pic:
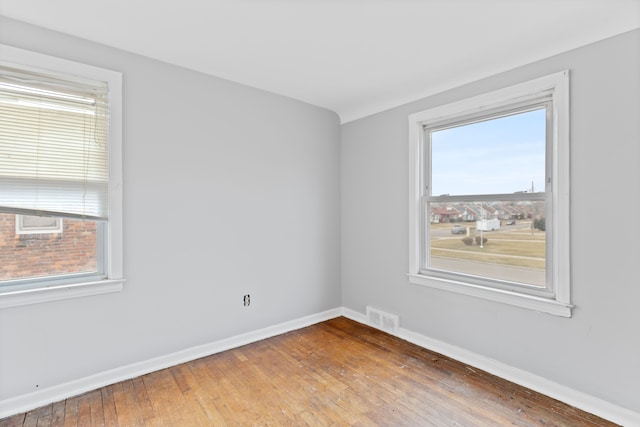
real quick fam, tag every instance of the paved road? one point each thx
(495, 254)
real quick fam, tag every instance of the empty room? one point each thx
(323, 213)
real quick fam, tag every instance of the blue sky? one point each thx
(497, 156)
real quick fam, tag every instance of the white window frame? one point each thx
(24, 293)
(23, 229)
(555, 86)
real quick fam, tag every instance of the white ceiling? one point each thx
(355, 57)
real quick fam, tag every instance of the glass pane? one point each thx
(498, 156)
(34, 247)
(495, 240)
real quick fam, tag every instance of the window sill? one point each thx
(544, 305)
(18, 298)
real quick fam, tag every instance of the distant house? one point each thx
(509, 212)
(445, 214)
(489, 212)
(470, 213)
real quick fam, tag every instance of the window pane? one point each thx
(498, 156)
(495, 240)
(32, 247)
(26, 224)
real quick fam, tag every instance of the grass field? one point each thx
(511, 246)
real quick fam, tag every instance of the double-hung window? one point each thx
(489, 199)
(60, 179)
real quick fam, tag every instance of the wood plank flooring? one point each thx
(336, 373)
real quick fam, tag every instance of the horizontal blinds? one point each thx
(54, 152)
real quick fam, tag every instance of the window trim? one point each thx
(113, 282)
(557, 87)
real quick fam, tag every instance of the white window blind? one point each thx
(54, 153)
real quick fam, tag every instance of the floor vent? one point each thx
(384, 321)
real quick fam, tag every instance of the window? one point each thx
(489, 201)
(30, 224)
(60, 179)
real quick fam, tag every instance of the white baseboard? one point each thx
(588, 403)
(354, 315)
(45, 396)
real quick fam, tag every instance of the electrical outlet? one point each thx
(247, 300)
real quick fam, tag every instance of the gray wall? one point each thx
(228, 190)
(597, 351)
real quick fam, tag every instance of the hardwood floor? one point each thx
(336, 373)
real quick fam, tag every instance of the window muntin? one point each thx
(481, 174)
(552, 92)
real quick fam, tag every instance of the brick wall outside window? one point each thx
(46, 254)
